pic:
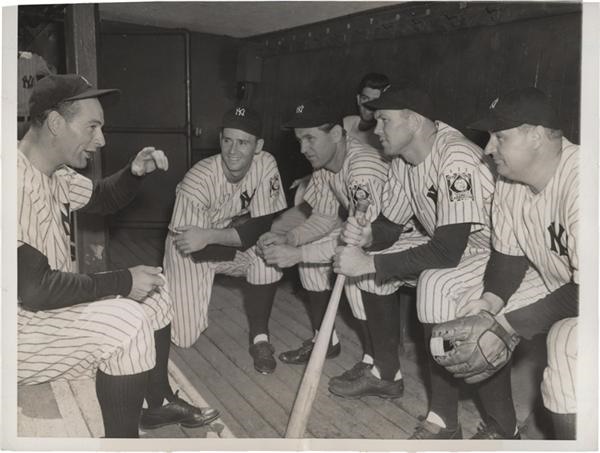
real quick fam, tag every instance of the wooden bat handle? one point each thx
(312, 375)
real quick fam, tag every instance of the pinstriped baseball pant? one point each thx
(113, 335)
(558, 385)
(192, 283)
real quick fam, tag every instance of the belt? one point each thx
(22, 119)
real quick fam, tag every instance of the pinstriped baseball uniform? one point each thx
(67, 343)
(544, 228)
(452, 185)
(362, 176)
(206, 199)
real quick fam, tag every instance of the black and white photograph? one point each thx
(300, 225)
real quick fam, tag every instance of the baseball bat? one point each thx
(312, 374)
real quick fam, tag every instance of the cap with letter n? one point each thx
(314, 112)
(523, 106)
(54, 89)
(243, 118)
(405, 98)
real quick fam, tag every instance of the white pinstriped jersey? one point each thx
(206, 199)
(454, 184)
(44, 206)
(542, 226)
(362, 176)
(29, 67)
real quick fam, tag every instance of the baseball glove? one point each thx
(478, 346)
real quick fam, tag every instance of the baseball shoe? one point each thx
(428, 430)
(177, 412)
(353, 373)
(262, 353)
(491, 430)
(302, 354)
(368, 385)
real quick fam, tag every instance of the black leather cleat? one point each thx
(368, 385)
(428, 430)
(491, 431)
(302, 354)
(177, 412)
(353, 373)
(262, 353)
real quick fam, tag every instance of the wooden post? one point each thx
(91, 238)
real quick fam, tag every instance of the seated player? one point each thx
(112, 325)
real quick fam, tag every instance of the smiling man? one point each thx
(223, 204)
(442, 179)
(115, 325)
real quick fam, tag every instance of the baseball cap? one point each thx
(243, 118)
(54, 89)
(523, 106)
(314, 113)
(408, 98)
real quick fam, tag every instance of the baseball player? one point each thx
(359, 126)
(441, 178)
(223, 204)
(114, 325)
(30, 68)
(345, 171)
(532, 277)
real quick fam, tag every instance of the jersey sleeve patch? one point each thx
(460, 186)
(274, 186)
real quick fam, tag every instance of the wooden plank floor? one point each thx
(218, 371)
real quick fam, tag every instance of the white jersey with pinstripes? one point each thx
(206, 199)
(542, 226)
(454, 184)
(44, 207)
(115, 336)
(362, 176)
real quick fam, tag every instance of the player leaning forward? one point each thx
(223, 204)
(344, 172)
(71, 325)
(441, 178)
(532, 276)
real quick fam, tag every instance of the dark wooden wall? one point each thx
(463, 66)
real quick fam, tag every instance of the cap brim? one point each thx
(380, 104)
(303, 123)
(492, 123)
(114, 93)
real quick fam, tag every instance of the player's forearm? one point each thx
(226, 236)
(320, 252)
(41, 288)
(113, 192)
(385, 233)
(539, 317)
(314, 228)
(252, 229)
(443, 251)
(504, 274)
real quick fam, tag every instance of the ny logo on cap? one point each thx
(240, 111)
(493, 104)
(300, 108)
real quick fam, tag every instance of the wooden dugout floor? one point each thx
(218, 371)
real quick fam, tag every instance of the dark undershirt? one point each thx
(248, 229)
(443, 251)
(538, 318)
